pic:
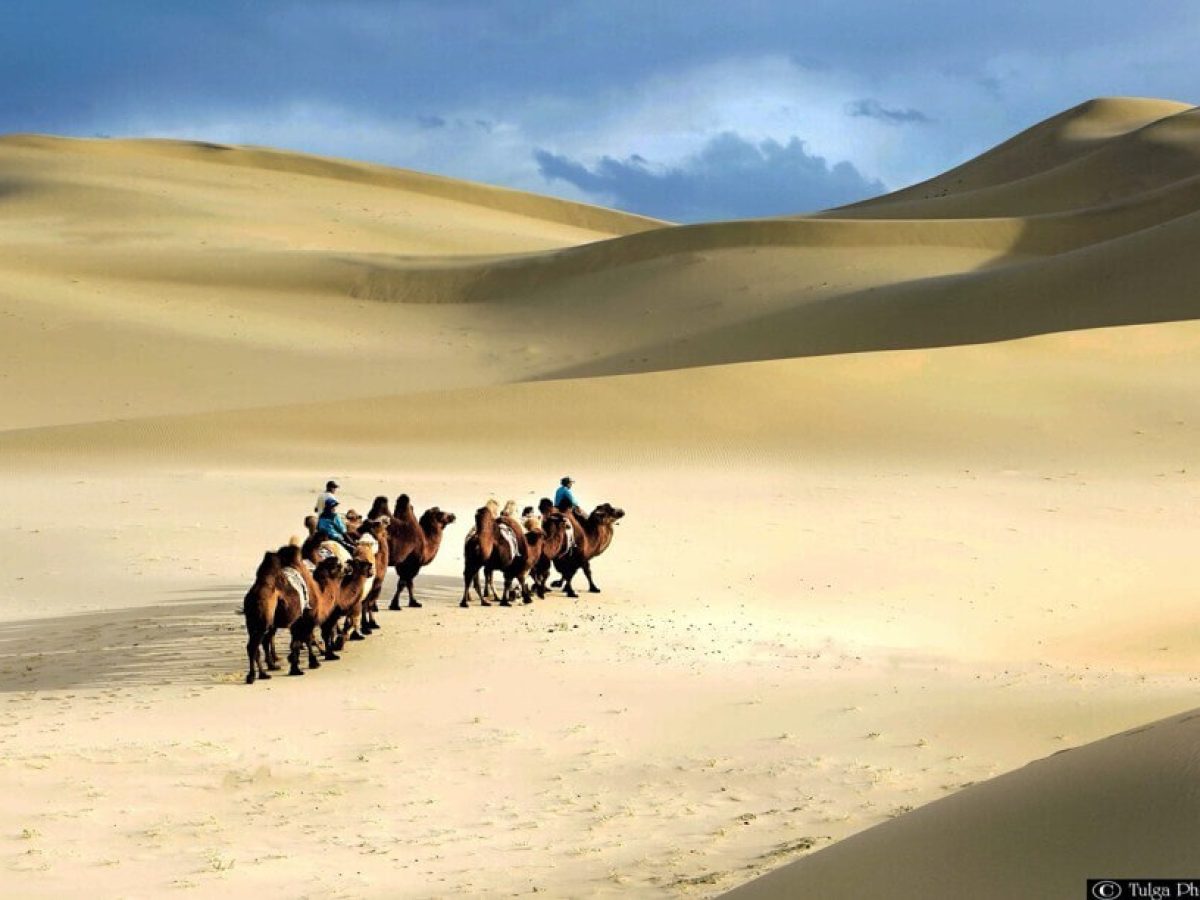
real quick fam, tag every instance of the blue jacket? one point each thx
(564, 493)
(331, 525)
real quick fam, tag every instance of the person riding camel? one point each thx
(331, 526)
(331, 487)
(564, 495)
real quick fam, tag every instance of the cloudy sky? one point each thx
(683, 109)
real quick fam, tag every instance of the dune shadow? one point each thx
(193, 640)
(196, 638)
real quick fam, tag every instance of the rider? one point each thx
(564, 497)
(331, 526)
(331, 487)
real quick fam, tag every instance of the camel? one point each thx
(413, 544)
(591, 538)
(275, 601)
(344, 596)
(547, 537)
(316, 583)
(488, 548)
(366, 552)
(375, 530)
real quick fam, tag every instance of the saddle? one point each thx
(504, 530)
(296, 580)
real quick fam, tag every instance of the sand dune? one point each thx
(1036, 153)
(908, 488)
(212, 266)
(1120, 808)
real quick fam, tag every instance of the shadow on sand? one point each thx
(197, 637)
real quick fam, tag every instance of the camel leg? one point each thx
(327, 638)
(354, 622)
(305, 632)
(504, 599)
(294, 657)
(369, 608)
(567, 577)
(587, 571)
(254, 652)
(395, 604)
(479, 591)
(526, 597)
(411, 602)
(469, 576)
(269, 646)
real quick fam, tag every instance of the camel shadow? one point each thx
(198, 637)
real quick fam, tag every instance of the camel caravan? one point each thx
(324, 590)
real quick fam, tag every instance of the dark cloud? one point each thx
(873, 109)
(729, 178)
(431, 122)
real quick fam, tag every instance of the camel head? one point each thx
(357, 568)
(606, 513)
(327, 570)
(433, 519)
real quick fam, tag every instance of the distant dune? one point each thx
(182, 255)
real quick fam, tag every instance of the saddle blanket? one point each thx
(506, 533)
(297, 581)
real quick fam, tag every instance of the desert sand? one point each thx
(910, 496)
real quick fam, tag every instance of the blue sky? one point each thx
(689, 110)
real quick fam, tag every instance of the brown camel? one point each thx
(413, 544)
(375, 530)
(367, 551)
(273, 602)
(487, 549)
(547, 542)
(591, 537)
(345, 595)
(324, 584)
(317, 583)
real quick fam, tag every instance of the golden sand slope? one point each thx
(1120, 807)
(184, 277)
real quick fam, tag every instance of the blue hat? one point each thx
(331, 502)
